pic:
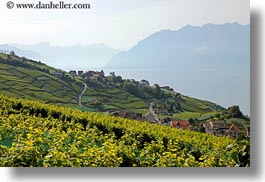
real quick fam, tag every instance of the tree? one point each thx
(191, 121)
(23, 59)
(157, 90)
(201, 129)
(130, 87)
(171, 108)
(217, 115)
(233, 112)
(117, 79)
(155, 104)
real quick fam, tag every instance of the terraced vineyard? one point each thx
(114, 98)
(31, 80)
(196, 105)
(36, 134)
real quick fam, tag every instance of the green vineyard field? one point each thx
(41, 135)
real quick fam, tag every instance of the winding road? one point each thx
(79, 96)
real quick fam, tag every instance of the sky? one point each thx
(117, 23)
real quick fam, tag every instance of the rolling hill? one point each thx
(24, 78)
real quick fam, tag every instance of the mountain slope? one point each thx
(207, 46)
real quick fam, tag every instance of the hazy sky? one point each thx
(117, 23)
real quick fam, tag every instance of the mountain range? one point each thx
(65, 57)
(209, 46)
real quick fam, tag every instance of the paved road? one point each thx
(79, 96)
(152, 112)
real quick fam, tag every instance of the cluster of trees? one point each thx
(234, 112)
(231, 112)
(141, 89)
(169, 105)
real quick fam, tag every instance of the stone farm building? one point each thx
(221, 128)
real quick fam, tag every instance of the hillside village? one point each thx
(213, 127)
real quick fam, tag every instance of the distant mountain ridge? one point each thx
(209, 61)
(26, 53)
(189, 46)
(65, 57)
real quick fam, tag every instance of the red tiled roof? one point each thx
(174, 124)
(181, 123)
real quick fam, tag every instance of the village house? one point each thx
(80, 73)
(93, 101)
(130, 115)
(123, 114)
(165, 121)
(217, 128)
(221, 128)
(183, 124)
(58, 74)
(151, 118)
(233, 131)
(218, 124)
(92, 75)
(73, 72)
